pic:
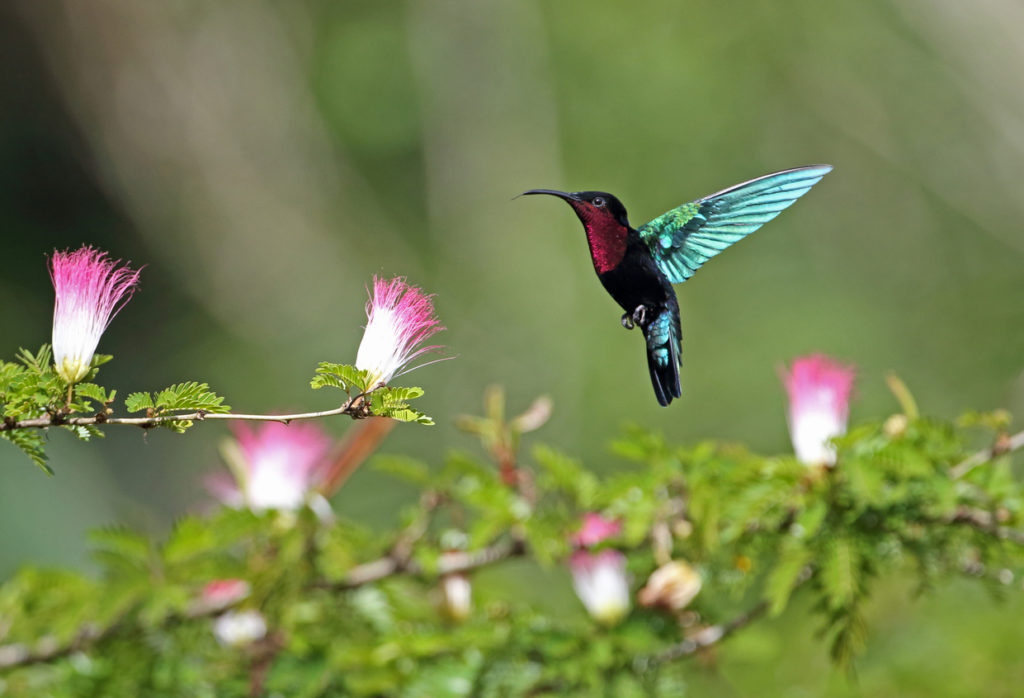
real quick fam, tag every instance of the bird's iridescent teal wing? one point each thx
(682, 239)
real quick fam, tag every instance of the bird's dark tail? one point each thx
(663, 353)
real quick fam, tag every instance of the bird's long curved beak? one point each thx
(553, 192)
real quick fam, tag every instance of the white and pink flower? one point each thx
(239, 628)
(90, 289)
(599, 577)
(819, 405)
(400, 318)
(600, 581)
(275, 466)
(456, 592)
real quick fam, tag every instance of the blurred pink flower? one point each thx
(599, 578)
(276, 466)
(90, 290)
(400, 318)
(224, 592)
(220, 594)
(601, 584)
(238, 628)
(596, 529)
(819, 405)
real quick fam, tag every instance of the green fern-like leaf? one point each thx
(137, 402)
(792, 559)
(839, 573)
(340, 376)
(91, 391)
(391, 402)
(406, 414)
(9, 373)
(190, 396)
(37, 363)
(32, 444)
(85, 432)
(396, 395)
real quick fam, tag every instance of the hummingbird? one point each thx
(637, 266)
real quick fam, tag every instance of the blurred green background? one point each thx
(265, 160)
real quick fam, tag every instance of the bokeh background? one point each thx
(265, 160)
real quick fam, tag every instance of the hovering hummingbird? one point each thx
(638, 266)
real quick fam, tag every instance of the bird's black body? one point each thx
(638, 266)
(636, 282)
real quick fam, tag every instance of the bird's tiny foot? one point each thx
(627, 321)
(640, 315)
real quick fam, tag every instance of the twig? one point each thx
(711, 635)
(355, 407)
(984, 521)
(47, 648)
(451, 563)
(1004, 444)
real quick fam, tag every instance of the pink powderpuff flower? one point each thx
(221, 593)
(400, 317)
(599, 578)
(819, 406)
(596, 529)
(601, 584)
(276, 466)
(90, 290)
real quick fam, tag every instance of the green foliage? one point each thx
(30, 389)
(343, 376)
(182, 397)
(356, 612)
(383, 401)
(394, 403)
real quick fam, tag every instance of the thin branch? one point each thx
(709, 636)
(712, 635)
(355, 407)
(1004, 444)
(987, 523)
(47, 649)
(450, 563)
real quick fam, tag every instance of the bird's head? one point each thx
(596, 209)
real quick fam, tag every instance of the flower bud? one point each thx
(672, 586)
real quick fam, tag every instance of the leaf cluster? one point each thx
(30, 388)
(380, 401)
(182, 397)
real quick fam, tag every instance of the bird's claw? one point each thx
(637, 317)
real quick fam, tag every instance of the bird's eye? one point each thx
(598, 201)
